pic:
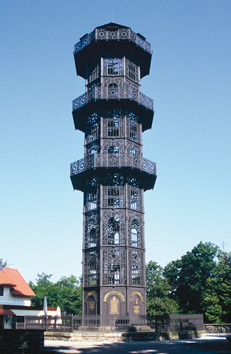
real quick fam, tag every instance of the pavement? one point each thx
(210, 344)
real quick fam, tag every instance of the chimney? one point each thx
(1, 266)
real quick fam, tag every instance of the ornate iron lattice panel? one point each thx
(98, 93)
(135, 230)
(134, 198)
(91, 268)
(114, 270)
(91, 199)
(136, 273)
(91, 227)
(114, 228)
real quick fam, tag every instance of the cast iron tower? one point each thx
(113, 174)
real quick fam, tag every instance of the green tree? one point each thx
(158, 300)
(65, 293)
(43, 287)
(217, 301)
(70, 292)
(188, 277)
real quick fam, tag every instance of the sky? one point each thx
(189, 81)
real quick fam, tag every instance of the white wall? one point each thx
(9, 299)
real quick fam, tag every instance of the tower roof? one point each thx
(113, 25)
(112, 39)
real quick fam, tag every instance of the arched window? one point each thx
(92, 238)
(134, 238)
(113, 231)
(134, 233)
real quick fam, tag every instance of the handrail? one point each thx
(111, 160)
(98, 93)
(100, 34)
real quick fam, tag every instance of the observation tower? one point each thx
(113, 174)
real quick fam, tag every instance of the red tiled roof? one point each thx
(6, 312)
(4, 279)
(12, 277)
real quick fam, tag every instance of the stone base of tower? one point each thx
(108, 329)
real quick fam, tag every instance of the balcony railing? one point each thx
(112, 160)
(119, 34)
(99, 93)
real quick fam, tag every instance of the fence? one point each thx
(176, 323)
(70, 323)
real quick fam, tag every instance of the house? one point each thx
(15, 299)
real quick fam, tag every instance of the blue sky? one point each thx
(190, 77)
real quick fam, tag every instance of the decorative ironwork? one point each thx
(114, 266)
(98, 160)
(114, 228)
(99, 93)
(120, 34)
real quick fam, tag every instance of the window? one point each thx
(1, 290)
(134, 237)
(133, 131)
(91, 201)
(113, 197)
(94, 74)
(113, 67)
(114, 267)
(134, 201)
(92, 132)
(113, 127)
(113, 228)
(92, 240)
(135, 234)
(90, 268)
(135, 268)
(132, 71)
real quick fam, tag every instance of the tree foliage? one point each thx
(65, 293)
(217, 301)
(158, 300)
(199, 282)
(188, 277)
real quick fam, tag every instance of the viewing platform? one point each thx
(98, 163)
(99, 96)
(115, 40)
